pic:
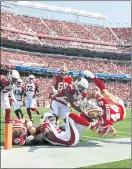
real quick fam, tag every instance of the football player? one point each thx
(22, 131)
(58, 80)
(69, 94)
(111, 108)
(18, 90)
(31, 91)
(54, 135)
(6, 88)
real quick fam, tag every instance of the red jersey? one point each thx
(84, 95)
(18, 126)
(112, 112)
(59, 79)
(61, 97)
(21, 140)
(5, 85)
(68, 79)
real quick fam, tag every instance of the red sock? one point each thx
(99, 83)
(78, 119)
(33, 109)
(86, 117)
(7, 116)
(29, 113)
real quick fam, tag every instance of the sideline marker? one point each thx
(8, 136)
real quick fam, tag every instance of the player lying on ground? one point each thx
(22, 132)
(111, 108)
(73, 129)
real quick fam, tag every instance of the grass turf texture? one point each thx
(123, 127)
(116, 164)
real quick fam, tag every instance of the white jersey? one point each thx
(69, 137)
(18, 91)
(7, 89)
(30, 90)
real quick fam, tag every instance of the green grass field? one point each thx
(123, 127)
(123, 130)
(117, 164)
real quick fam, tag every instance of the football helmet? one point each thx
(31, 78)
(19, 82)
(48, 117)
(81, 85)
(64, 70)
(13, 76)
(94, 112)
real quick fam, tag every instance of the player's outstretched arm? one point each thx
(94, 95)
(97, 81)
(71, 101)
(102, 87)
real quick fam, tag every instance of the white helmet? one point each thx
(13, 75)
(47, 117)
(31, 78)
(81, 84)
(19, 82)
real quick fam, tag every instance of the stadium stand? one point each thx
(36, 26)
(72, 64)
(28, 29)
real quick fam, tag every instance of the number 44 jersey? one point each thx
(112, 112)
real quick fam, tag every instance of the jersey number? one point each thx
(17, 140)
(17, 92)
(29, 88)
(116, 116)
(6, 90)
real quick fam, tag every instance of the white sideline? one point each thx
(85, 154)
(123, 133)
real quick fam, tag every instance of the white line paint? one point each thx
(101, 138)
(93, 137)
(123, 133)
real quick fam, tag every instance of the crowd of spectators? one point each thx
(121, 90)
(13, 36)
(123, 34)
(72, 64)
(62, 28)
(67, 29)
